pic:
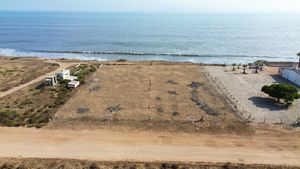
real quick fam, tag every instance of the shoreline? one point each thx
(135, 61)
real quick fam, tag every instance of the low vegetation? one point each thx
(19, 71)
(70, 164)
(282, 91)
(34, 107)
(81, 71)
(9, 118)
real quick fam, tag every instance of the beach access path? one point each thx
(146, 146)
(62, 65)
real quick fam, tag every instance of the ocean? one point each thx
(199, 38)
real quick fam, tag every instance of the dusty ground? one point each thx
(9, 163)
(146, 100)
(245, 92)
(149, 95)
(14, 71)
(109, 145)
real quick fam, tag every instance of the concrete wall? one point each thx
(291, 75)
(280, 64)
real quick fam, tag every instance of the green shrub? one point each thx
(282, 91)
(92, 68)
(54, 64)
(63, 82)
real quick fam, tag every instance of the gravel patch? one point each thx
(171, 82)
(173, 93)
(244, 92)
(160, 110)
(95, 88)
(201, 104)
(115, 108)
(195, 85)
(82, 110)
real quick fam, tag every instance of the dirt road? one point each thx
(107, 145)
(62, 65)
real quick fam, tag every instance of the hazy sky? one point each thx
(154, 5)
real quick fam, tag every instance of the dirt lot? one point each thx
(16, 71)
(149, 95)
(245, 92)
(282, 148)
(9, 163)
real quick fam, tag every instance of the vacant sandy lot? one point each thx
(245, 92)
(14, 71)
(149, 95)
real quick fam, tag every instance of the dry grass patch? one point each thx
(14, 71)
(151, 95)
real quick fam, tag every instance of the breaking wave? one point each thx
(139, 56)
(7, 52)
(144, 54)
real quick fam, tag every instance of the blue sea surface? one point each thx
(206, 38)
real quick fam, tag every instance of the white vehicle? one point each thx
(73, 84)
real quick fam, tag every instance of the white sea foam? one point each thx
(19, 53)
(7, 52)
(139, 56)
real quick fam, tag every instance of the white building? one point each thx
(73, 84)
(51, 81)
(64, 74)
(292, 74)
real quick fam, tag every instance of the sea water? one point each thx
(199, 38)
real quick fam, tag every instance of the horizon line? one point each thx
(154, 12)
